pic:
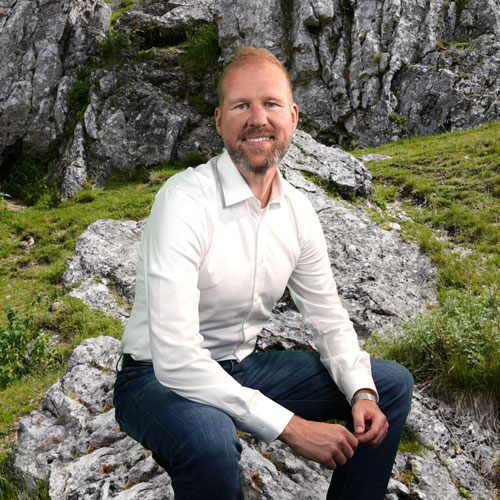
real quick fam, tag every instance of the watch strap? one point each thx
(363, 395)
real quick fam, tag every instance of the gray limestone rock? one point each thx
(129, 122)
(96, 257)
(369, 71)
(41, 44)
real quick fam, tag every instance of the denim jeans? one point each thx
(198, 446)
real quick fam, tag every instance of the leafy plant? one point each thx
(22, 348)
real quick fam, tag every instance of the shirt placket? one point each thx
(258, 278)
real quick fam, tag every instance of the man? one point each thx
(222, 243)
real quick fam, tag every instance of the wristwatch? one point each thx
(363, 395)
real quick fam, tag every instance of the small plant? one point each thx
(202, 49)
(22, 348)
(117, 44)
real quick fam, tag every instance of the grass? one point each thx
(37, 241)
(447, 188)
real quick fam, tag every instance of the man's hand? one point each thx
(328, 444)
(370, 424)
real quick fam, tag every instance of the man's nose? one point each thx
(257, 117)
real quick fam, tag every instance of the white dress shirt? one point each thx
(211, 266)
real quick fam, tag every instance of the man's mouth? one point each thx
(257, 139)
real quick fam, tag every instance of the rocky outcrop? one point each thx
(368, 72)
(129, 123)
(41, 45)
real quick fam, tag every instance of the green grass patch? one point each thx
(410, 443)
(450, 185)
(457, 345)
(444, 191)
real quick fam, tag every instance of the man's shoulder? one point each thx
(297, 198)
(197, 181)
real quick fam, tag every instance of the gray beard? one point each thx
(273, 158)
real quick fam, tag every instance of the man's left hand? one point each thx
(370, 424)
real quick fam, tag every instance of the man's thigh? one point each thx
(165, 422)
(297, 380)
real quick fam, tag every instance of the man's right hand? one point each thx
(328, 444)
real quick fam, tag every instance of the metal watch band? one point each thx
(363, 395)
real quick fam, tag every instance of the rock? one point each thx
(96, 252)
(129, 123)
(162, 23)
(336, 167)
(41, 46)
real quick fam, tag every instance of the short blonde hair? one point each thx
(246, 55)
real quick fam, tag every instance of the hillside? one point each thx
(425, 183)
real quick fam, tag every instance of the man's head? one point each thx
(256, 115)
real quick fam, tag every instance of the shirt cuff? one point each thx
(356, 380)
(267, 420)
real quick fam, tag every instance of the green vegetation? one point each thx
(447, 187)
(202, 50)
(457, 345)
(23, 349)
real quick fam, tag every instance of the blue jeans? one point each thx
(198, 446)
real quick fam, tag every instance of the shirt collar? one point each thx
(234, 187)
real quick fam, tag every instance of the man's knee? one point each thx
(394, 383)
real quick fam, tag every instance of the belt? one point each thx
(128, 360)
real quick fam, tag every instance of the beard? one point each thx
(262, 165)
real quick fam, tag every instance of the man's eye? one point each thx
(271, 104)
(242, 106)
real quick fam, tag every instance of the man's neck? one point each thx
(260, 183)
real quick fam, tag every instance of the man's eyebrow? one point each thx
(265, 98)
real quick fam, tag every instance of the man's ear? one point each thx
(218, 115)
(294, 110)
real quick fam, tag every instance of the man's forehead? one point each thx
(254, 68)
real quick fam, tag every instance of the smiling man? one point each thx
(222, 243)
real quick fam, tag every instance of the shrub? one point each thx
(29, 181)
(457, 345)
(22, 348)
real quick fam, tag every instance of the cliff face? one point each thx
(41, 45)
(364, 72)
(371, 71)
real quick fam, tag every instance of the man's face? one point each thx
(257, 117)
